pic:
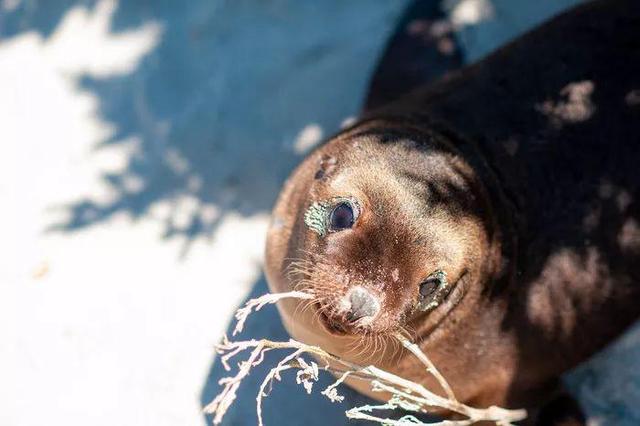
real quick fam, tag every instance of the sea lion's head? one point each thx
(384, 225)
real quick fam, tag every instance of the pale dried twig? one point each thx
(331, 391)
(243, 313)
(414, 349)
(407, 395)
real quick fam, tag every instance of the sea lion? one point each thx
(493, 216)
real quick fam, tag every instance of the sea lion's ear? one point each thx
(326, 167)
(432, 291)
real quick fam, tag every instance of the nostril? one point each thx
(363, 304)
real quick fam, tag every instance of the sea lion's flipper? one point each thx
(422, 49)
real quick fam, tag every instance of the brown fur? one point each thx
(528, 202)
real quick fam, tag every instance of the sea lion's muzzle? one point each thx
(357, 309)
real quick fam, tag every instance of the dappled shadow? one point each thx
(214, 110)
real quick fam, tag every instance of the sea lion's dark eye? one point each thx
(336, 214)
(342, 217)
(432, 291)
(428, 287)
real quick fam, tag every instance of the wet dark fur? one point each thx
(550, 126)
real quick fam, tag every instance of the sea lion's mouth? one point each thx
(330, 325)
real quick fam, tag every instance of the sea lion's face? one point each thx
(381, 229)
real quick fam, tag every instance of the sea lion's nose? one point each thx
(363, 304)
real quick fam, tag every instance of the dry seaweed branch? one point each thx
(414, 349)
(406, 395)
(243, 313)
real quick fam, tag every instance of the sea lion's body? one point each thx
(542, 149)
